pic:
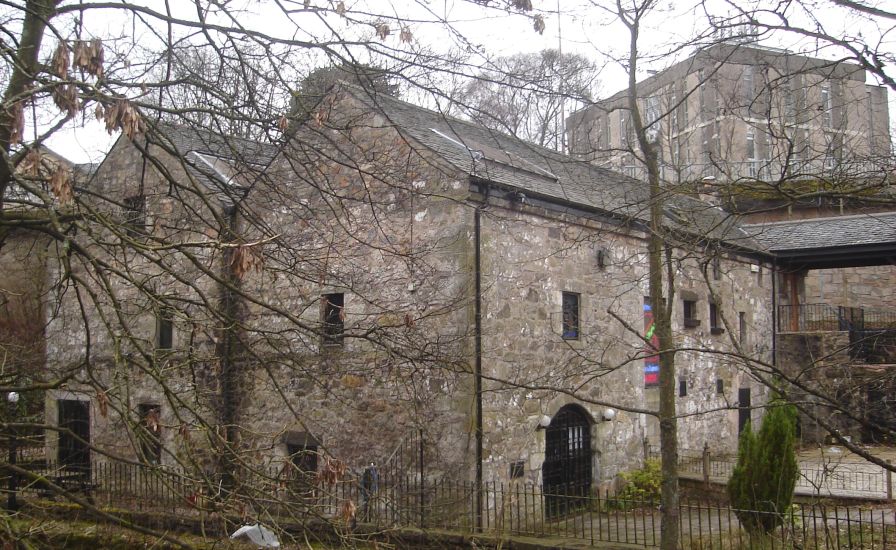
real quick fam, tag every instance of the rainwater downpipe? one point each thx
(774, 312)
(477, 372)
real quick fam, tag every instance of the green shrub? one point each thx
(761, 486)
(642, 487)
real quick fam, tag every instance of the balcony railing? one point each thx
(872, 332)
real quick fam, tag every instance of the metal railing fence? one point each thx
(283, 494)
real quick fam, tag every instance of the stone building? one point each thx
(742, 112)
(387, 273)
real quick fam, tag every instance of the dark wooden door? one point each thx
(743, 408)
(74, 435)
(566, 472)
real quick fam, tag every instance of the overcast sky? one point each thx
(580, 27)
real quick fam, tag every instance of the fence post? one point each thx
(889, 477)
(706, 463)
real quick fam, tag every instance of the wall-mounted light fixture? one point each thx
(608, 414)
(543, 422)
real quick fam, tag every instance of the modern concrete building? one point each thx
(740, 112)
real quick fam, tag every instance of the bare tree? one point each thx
(529, 95)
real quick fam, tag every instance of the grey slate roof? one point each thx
(542, 172)
(224, 164)
(829, 232)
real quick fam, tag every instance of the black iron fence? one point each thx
(282, 494)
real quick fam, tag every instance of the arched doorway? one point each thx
(566, 471)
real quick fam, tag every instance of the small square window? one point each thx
(333, 312)
(149, 432)
(720, 386)
(134, 215)
(690, 314)
(570, 316)
(517, 469)
(714, 325)
(165, 330)
(682, 387)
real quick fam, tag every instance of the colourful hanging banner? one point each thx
(651, 359)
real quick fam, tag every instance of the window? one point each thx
(333, 318)
(682, 387)
(653, 109)
(748, 85)
(827, 119)
(134, 215)
(690, 314)
(149, 433)
(623, 128)
(751, 154)
(165, 330)
(714, 326)
(674, 114)
(570, 316)
(701, 93)
(303, 459)
(742, 326)
(302, 450)
(716, 268)
(720, 386)
(517, 469)
(603, 258)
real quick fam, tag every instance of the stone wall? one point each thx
(530, 257)
(391, 230)
(865, 287)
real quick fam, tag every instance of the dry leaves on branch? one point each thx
(61, 185)
(60, 62)
(65, 96)
(283, 123)
(17, 123)
(88, 56)
(102, 401)
(152, 421)
(347, 511)
(525, 5)
(340, 8)
(245, 258)
(538, 23)
(405, 35)
(332, 472)
(122, 115)
(383, 30)
(30, 165)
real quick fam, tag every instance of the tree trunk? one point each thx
(662, 313)
(37, 13)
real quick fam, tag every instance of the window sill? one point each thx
(717, 330)
(691, 323)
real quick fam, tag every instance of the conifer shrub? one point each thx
(761, 486)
